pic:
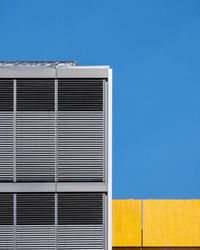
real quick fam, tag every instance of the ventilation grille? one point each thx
(80, 125)
(35, 146)
(6, 95)
(80, 221)
(35, 221)
(80, 94)
(35, 237)
(6, 146)
(35, 209)
(80, 146)
(79, 208)
(35, 95)
(86, 237)
(6, 222)
(6, 130)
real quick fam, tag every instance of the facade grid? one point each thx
(55, 156)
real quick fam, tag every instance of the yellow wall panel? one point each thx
(171, 223)
(126, 223)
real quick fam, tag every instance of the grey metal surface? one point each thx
(53, 64)
(82, 187)
(14, 127)
(80, 146)
(6, 237)
(56, 128)
(35, 146)
(6, 146)
(79, 129)
(50, 69)
(12, 187)
(35, 237)
(86, 237)
(82, 72)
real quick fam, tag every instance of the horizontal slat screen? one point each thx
(80, 94)
(6, 221)
(6, 95)
(35, 221)
(80, 209)
(35, 94)
(35, 146)
(6, 130)
(76, 237)
(35, 209)
(35, 237)
(80, 146)
(80, 221)
(6, 146)
(80, 130)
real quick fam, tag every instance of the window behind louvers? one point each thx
(80, 221)
(35, 227)
(35, 130)
(6, 130)
(6, 221)
(80, 130)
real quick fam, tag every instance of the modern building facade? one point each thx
(55, 156)
(156, 225)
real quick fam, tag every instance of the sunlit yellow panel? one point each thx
(126, 223)
(171, 223)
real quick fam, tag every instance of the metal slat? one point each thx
(35, 237)
(80, 221)
(80, 94)
(35, 95)
(6, 221)
(80, 146)
(6, 130)
(6, 146)
(86, 237)
(35, 146)
(35, 227)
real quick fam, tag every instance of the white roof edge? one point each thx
(22, 71)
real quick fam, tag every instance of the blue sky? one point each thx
(154, 50)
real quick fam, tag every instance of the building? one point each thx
(55, 156)
(156, 224)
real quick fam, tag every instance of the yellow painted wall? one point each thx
(126, 223)
(171, 223)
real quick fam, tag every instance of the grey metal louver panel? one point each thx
(6, 95)
(80, 209)
(6, 221)
(85, 237)
(35, 146)
(35, 209)
(80, 146)
(6, 129)
(80, 221)
(35, 95)
(35, 237)
(35, 221)
(80, 94)
(6, 209)
(6, 146)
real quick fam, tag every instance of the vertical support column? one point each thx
(15, 219)
(56, 121)
(109, 159)
(56, 218)
(105, 221)
(14, 127)
(105, 130)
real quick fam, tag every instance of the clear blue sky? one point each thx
(154, 49)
